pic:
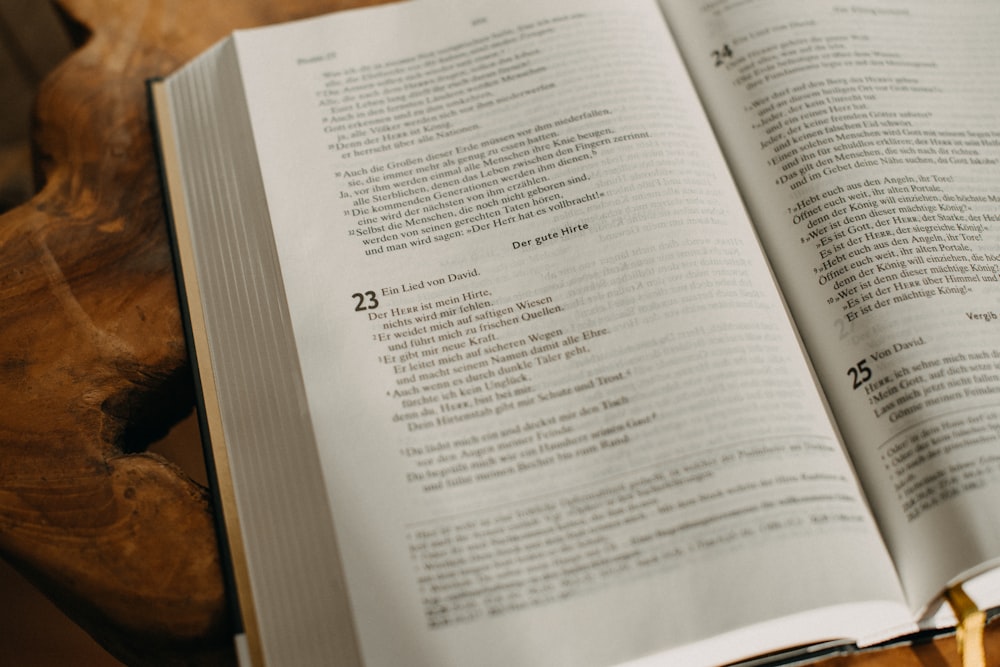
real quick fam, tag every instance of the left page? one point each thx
(561, 413)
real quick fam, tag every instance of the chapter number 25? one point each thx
(860, 373)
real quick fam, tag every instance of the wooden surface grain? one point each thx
(92, 360)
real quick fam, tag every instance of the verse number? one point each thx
(722, 55)
(860, 373)
(365, 301)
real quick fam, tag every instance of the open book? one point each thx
(596, 333)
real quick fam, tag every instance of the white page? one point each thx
(565, 421)
(865, 140)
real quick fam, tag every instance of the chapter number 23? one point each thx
(365, 301)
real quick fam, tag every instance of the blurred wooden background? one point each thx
(33, 632)
(33, 41)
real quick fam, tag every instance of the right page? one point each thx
(865, 140)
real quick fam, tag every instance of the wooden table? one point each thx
(92, 360)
